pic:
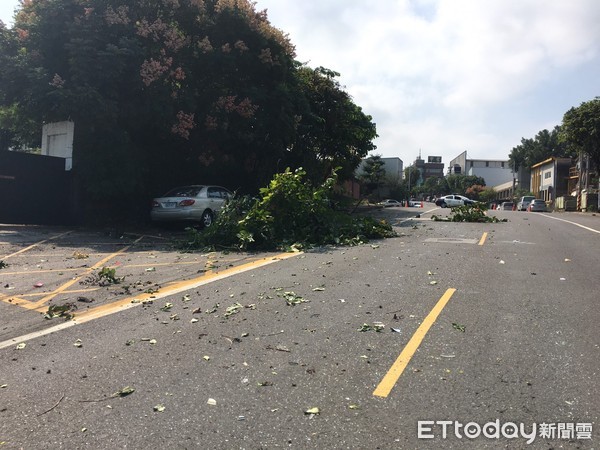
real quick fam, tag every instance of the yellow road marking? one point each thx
(34, 245)
(176, 288)
(483, 238)
(121, 305)
(71, 282)
(28, 304)
(389, 380)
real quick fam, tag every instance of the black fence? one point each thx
(35, 189)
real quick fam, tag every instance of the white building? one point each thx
(494, 172)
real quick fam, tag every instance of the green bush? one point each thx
(290, 213)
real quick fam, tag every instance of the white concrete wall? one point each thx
(547, 177)
(493, 176)
(57, 140)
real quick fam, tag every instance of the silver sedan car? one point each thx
(537, 205)
(195, 204)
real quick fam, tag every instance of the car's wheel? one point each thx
(444, 205)
(207, 218)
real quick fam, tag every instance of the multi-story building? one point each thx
(434, 167)
(550, 178)
(494, 172)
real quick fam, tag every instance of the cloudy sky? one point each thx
(446, 76)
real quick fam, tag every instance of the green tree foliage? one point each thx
(435, 186)
(459, 184)
(532, 151)
(373, 173)
(332, 131)
(580, 129)
(171, 92)
(481, 193)
(16, 130)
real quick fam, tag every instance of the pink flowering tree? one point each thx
(168, 92)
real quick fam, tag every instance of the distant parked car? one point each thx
(195, 204)
(538, 205)
(524, 202)
(390, 202)
(450, 201)
(507, 206)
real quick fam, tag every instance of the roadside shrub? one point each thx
(289, 213)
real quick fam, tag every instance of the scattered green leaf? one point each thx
(233, 309)
(127, 390)
(377, 326)
(459, 327)
(291, 298)
(213, 309)
(65, 311)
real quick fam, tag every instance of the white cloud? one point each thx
(444, 74)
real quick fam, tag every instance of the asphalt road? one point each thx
(493, 324)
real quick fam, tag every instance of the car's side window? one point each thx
(214, 193)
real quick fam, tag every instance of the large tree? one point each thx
(544, 145)
(581, 129)
(175, 91)
(332, 132)
(373, 173)
(458, 184)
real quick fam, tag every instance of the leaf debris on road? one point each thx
(459, 327)
(377, 326)
(233, 309)
(291, 298)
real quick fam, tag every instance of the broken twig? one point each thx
(57, 403)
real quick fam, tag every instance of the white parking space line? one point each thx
(573, 223)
